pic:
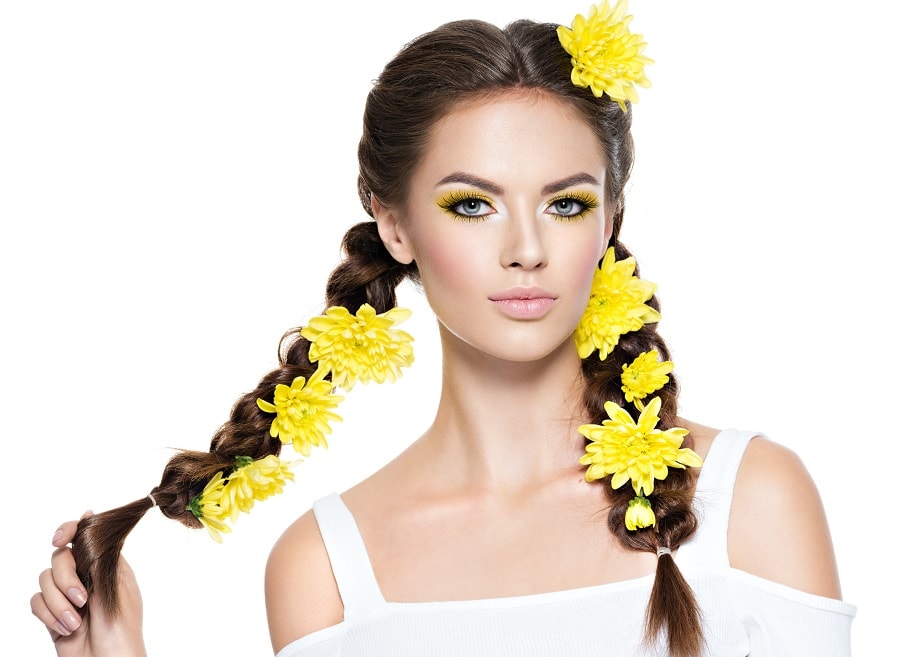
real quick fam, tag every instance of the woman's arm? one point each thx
(301, 593)
(778, 529)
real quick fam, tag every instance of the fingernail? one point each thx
(57, 536)
(77, 596)
(70, 620)
(62, 629)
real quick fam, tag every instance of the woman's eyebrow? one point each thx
(562, 184)
(493, 188)
(475, 181)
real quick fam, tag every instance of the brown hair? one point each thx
(457, 62)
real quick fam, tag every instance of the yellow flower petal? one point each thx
(224, 497)
(639, 514)
(634, 451)
(606, 56)
(646, 374)
(615, 306)
(255, 480)
(359, 348)
(303, 411)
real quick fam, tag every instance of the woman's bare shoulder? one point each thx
(701, 435)
(778, 529)
(301, 593)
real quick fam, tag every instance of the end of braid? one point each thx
(97, 546)
(673, 611)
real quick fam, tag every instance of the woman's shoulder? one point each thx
(301, 593)
(777, 528)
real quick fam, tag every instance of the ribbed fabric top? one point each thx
(742, 614)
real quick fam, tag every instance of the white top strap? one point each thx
(708, 547)
(349, 560)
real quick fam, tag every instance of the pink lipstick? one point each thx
(524, 302)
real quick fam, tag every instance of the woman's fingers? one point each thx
(42, 612)
(62, 567)
(61, 592)
(62, 601)
(66, 532)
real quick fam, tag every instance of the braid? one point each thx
(368, 274)
(672, 610)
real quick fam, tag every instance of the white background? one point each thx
(174, 181)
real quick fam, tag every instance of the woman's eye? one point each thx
(472, 207)
(467, 205)
(566, 207)
(573, 205)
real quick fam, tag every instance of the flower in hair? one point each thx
(212, 508)
(616, 306)
(634, 451)
(644, 375)
(639, 514)
(606, 56)
(359, 348)
(303, 411)
(254, 480)
(225, 496)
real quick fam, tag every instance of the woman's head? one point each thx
(463, 61)
(506, 219)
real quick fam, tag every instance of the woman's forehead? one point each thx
(518, 135)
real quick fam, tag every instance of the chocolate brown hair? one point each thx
(457, 62)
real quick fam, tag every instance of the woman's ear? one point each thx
(392, 233)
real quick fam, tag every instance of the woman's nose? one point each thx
(524, 243)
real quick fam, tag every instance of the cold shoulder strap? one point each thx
(349, 560)
(708, 547)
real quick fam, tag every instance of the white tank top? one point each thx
(742, 614)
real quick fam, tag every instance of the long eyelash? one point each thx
(587, 199)
(453, 198)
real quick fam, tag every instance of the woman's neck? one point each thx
(502, 425)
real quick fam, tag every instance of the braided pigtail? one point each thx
(661, 520)
(245, 437)
(206, 489)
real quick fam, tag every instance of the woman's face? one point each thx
(506, 220)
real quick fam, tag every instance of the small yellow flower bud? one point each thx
(639, 514)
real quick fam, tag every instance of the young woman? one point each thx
(493, 163)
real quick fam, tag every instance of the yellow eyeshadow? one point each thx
(588, 199)
(450, 201)
(455, 197)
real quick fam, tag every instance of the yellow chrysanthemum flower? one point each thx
(639, 514)
(212, 507)
(362, 347)
(255, 480)
(616, 306)
(223, 498)
(646, 374)
(635, 451)
(606, 56)
(303, 411)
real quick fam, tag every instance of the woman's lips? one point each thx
(522, 303)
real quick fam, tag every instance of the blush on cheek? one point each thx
(586, 263)
(445, 265)
(444, 262)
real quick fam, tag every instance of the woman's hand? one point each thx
(62, 601)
